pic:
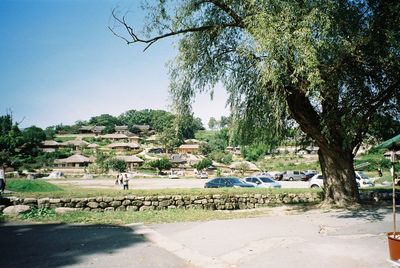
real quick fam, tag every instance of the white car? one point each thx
(362, 180)
(262, 182)
(317, 181)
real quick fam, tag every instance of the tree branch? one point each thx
(151, 41)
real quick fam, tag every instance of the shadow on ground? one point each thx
(367, 212)
(60, 245)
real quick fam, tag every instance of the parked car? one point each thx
(276, 175)
(294, 176)
(173, 175)
(202, 175)
(317, 181)
(226, 182)
(309, 175)
(262, 182)
(362, 180)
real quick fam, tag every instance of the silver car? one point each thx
(262, 182)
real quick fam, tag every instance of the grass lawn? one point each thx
(121, 218)
(31, 186)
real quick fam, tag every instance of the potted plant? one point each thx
(393, 145)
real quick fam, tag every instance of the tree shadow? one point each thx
(371, 213)
(60, 245)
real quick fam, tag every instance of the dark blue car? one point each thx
(226, 182)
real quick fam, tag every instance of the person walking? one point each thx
(126, 182)
(2, 180)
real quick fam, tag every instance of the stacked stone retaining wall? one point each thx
(209, 202)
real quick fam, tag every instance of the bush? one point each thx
(221, 157)
(161, 164)
(202, 164)
(117, 164)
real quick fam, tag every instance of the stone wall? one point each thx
(210, 202)
(141, 203)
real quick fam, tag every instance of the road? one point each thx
(154, 183)
(282, 237)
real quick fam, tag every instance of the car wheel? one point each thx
(314, 186)
(291, 179)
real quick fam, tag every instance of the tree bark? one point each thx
(336, 160)
(340, 186)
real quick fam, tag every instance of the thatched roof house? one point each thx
(77, 144)
(74, 161)
(177, 159)
(115, 136)
(123, 145)
(91, 129)
(93, 146)
(189, 149)
(131, 161)
(121, 129)
(249, 166)
(50, 146)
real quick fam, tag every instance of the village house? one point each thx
(74, 161)
(115, 137)
(93, 146)
(122, 130)
(50, 146)
(189, 149)
(97, 130)
(76, 144)
(131, 161)
(122, 146)
(134, 139)
(177, 160)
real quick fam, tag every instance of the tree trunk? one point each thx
(340, 185)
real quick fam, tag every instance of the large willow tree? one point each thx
(330, 65)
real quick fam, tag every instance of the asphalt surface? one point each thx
(59, 245)
(291, 236)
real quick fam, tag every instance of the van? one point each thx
(294, 175)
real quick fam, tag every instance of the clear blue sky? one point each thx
(59, 63)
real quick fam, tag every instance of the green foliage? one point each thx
(106, 120)
(26, 185)
(102, 161)
(202, 164)
(375, 159)
(221, 157)
(169, 139)
(39, 214)
(161, 164)
(255, 151)
(117, 164)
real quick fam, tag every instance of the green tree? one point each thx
(212, 123)
(161, 164)
(117, 164)
(329, 65)
(10, 140)
(202, 164)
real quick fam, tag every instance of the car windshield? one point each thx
(233, 180)
(362, 175)
(266, 179)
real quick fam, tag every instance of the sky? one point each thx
(59, 63)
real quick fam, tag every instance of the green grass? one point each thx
(121, 218)
(63, 139)
(31, 186)
(67, 191)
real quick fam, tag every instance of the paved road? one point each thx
(83, 246)
(284, 237)
(155, 183)
(311, 239)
